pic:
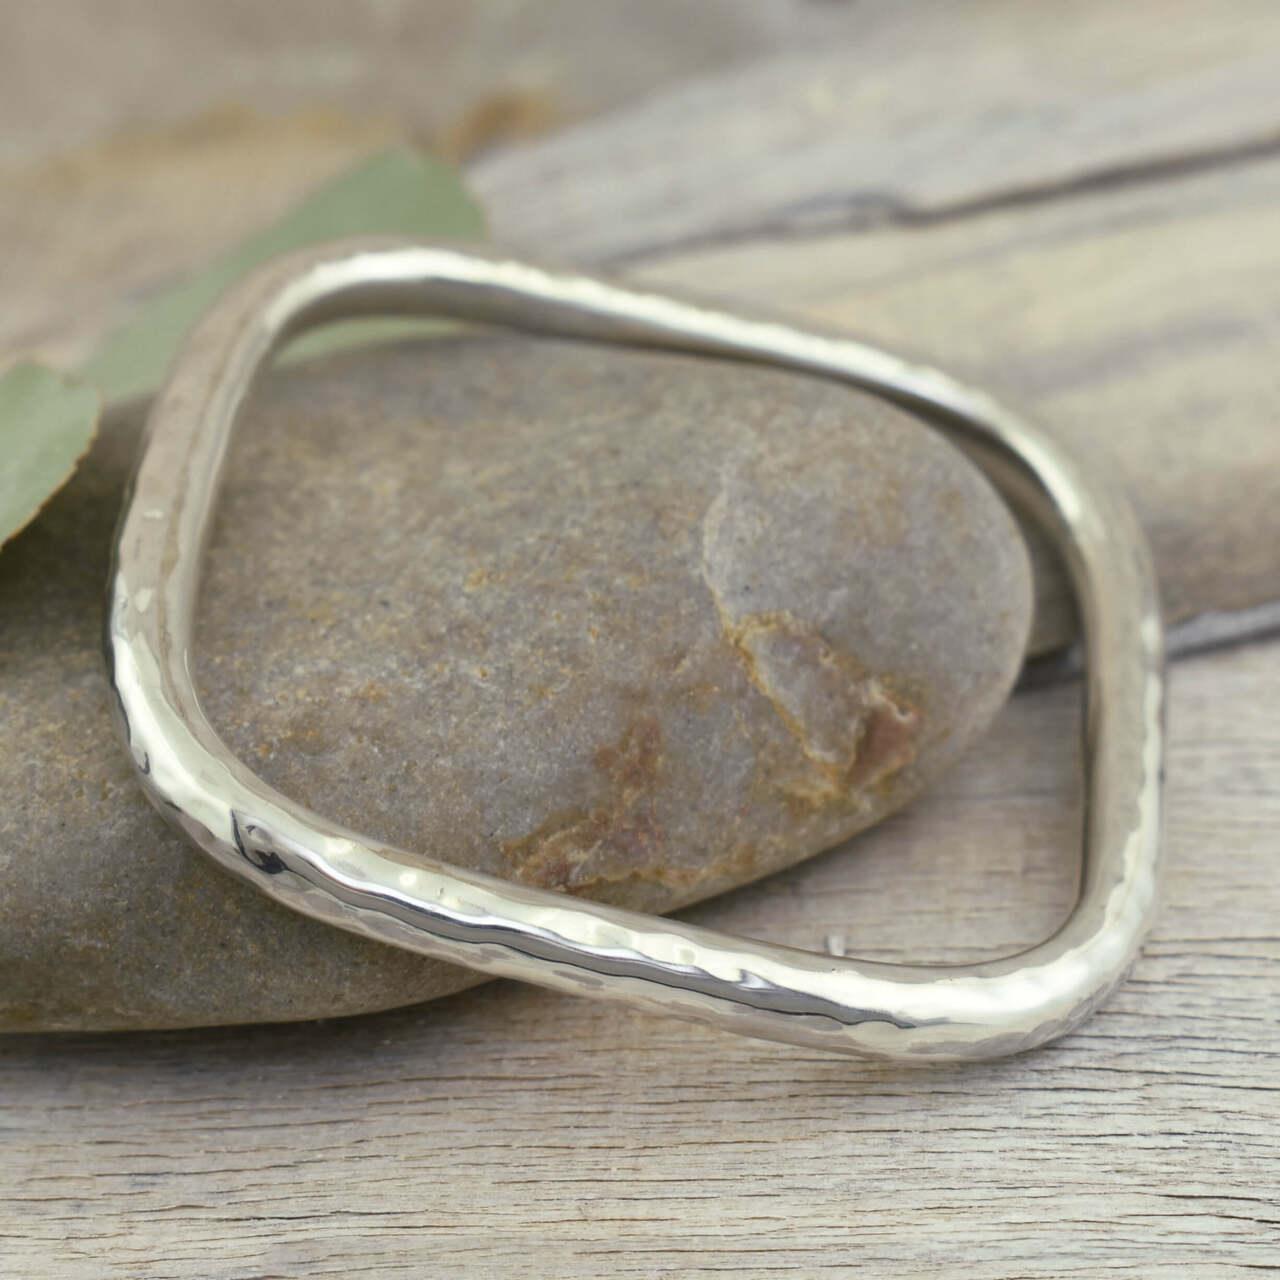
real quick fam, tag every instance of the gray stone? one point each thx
(631, 626)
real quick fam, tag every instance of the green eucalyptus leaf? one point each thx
(399, 192)
(47, 421)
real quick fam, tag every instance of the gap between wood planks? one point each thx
(872, 210)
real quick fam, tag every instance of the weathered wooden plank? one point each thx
(509, 1129)
(929, 111)
(1084, 223)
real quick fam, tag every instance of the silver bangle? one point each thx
(908, 1012)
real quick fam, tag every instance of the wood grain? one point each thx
(509, 1130)
(1082, 221)
(914, 113)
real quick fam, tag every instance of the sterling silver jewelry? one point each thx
(908, 1012)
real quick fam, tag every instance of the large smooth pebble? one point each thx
(633, 626)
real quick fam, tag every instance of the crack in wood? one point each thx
(862, 211)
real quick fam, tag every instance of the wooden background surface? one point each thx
(512, 1131)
